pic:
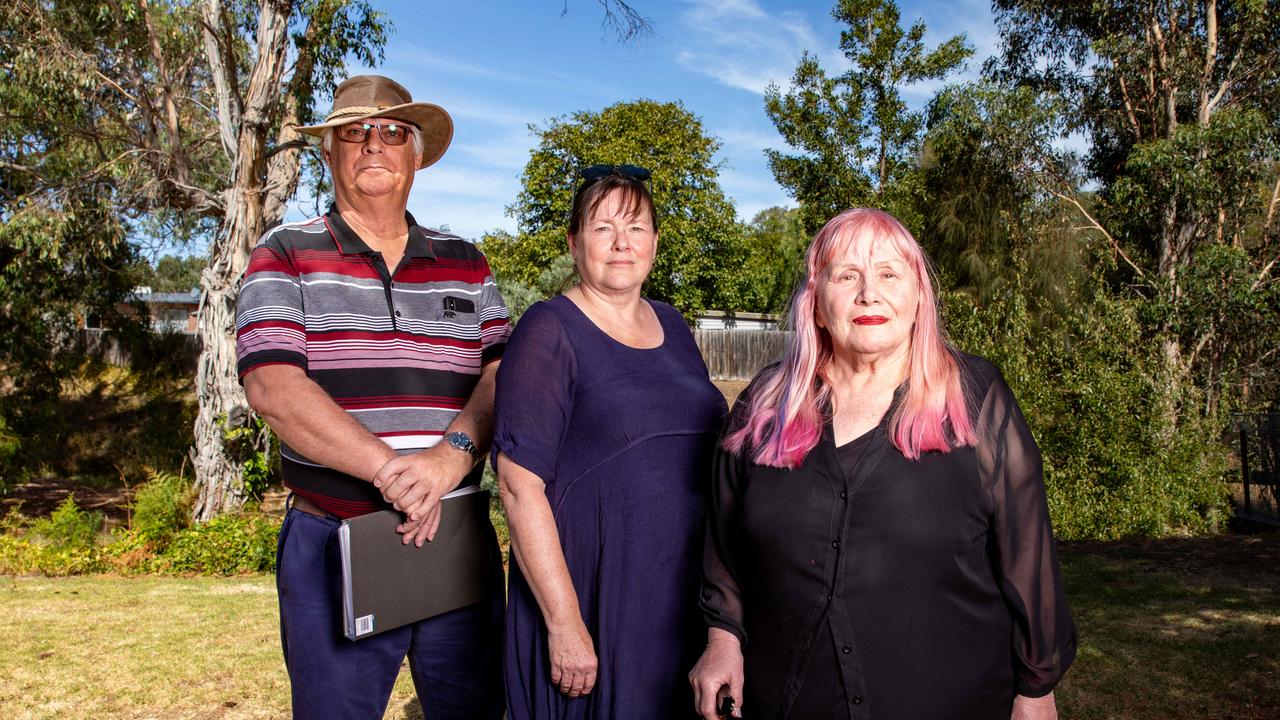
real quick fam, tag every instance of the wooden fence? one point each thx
(738, 354)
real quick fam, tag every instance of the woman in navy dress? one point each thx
(606, 421)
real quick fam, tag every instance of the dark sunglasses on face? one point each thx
(596, 172)
(391, 133)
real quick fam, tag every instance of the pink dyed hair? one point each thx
(786, 417)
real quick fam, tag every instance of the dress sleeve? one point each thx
(721, 597)
(534, 396)
(1044, 639)
(270, 329)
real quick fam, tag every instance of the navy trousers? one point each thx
(455, 658)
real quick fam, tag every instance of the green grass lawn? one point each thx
(1168, 630)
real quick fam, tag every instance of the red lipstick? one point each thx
(871, 320)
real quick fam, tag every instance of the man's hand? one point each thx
(414, 484)
(1041, 708)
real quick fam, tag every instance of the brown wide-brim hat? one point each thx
(372, 96)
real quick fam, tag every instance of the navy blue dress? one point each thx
(623, 439)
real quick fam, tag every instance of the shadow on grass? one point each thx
(413, 710)
(1175, 628)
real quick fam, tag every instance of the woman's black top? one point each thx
(891, 588)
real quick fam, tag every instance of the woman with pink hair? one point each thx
(878, 541)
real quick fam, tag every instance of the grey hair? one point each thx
(327, 142)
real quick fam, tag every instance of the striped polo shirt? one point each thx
(400, 352)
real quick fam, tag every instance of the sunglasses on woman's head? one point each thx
(596, 172)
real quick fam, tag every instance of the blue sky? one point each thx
(498, 67)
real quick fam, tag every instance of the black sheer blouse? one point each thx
(895, 589)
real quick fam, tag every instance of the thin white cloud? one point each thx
(741, 45)
(736, 139)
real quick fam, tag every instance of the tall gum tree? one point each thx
(180, 113)
(1181, 100)
(254, 107)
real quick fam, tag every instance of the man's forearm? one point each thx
(476, 418)
(303, 415)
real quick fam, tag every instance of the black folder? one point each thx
(387, 584)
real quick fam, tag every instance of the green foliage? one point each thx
(23, 556)
(856, 135)
(987, 163)
(1093, 397)
(65, 543)
(1204, 169)
(775, 241)
(172, 274)
(69, 526)
(226, 545)
(161, 507)
(700, 245)
(1180, 101)
(254, 446)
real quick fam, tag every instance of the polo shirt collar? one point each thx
(350, 243)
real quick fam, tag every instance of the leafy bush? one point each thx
(69, 527)
(66, 543)
(21, 556)
(63, 544)
(226, 545)
(1126, 452)
(254, 445)
(161, 507)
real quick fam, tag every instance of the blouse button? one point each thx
(846, 649)
(835, 543)
(857, 699)
(397, 313)
(843, 494)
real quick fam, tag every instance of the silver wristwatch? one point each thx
(462, 441)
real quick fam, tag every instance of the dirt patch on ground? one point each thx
(39, 498)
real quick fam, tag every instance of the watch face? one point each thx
(462, 442)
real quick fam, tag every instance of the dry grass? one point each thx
(1176, 629)
(147, 648)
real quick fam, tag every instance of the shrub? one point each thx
(161, 507)
(1126, 452)
(69, 527)
(20, 556)
(64, 544)
(225, 545)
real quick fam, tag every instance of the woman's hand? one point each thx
(1041, 708)
(718, 673)
(573, 659)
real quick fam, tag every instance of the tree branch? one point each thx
(1128, 108)
(229, 109)
(1115, 246)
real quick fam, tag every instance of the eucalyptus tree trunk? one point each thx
(221, 402)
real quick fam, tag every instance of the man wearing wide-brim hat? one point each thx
(369, 344)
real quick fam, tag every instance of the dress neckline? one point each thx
(666, 334)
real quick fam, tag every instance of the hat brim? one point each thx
(431, 119)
